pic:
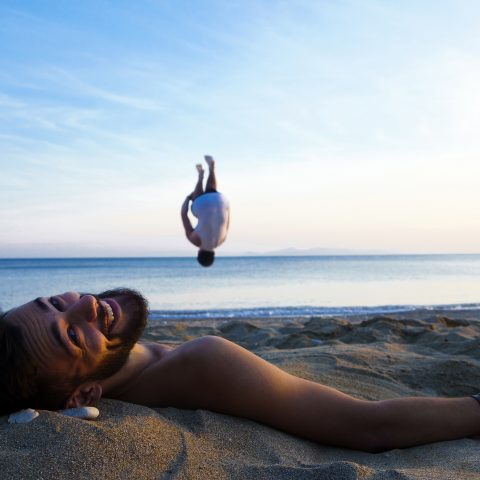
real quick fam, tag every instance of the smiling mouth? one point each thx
(108, 318)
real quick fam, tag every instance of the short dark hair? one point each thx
(205, 257)
(22, 385)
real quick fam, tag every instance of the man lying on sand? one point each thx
(213, 213)
(68, 350)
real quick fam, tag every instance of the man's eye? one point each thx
(56, 303)
(72, 335)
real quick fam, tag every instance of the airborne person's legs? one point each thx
(199, 186)
(211, 180)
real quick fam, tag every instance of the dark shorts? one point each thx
(208, 190)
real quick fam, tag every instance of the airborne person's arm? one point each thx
(189, 231)
(185, 220)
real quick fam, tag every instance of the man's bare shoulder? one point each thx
(161, 376)
(154, 351)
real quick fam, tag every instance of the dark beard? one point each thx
(135, 306)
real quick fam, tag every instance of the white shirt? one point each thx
(212, 211)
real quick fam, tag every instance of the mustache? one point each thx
(130, 293)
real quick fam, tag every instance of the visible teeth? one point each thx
(109, 311)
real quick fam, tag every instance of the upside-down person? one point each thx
(212, 210)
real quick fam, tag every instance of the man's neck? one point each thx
(141, 357)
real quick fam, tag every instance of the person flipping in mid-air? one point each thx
(212, 210)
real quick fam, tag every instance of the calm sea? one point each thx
(257, 286)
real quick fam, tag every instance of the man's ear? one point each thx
(84, 395)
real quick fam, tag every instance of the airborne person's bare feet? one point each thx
(200, 169)
(199, 186)
(211, 180)
(210, 162)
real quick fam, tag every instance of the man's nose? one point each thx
(85, 309)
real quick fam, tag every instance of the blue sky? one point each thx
(337, 124)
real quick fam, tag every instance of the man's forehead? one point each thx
(34, 322)
(40, 333)
(26, 312)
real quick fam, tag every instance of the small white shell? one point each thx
(23, 416)
(87, 413)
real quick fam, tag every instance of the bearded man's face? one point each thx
(82, 336)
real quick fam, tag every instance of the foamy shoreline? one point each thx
(419, 353)
(295, 312)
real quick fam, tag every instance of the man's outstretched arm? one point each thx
(214, 374)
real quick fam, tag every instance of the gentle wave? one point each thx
(301, 312)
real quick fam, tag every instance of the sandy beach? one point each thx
(416, 353)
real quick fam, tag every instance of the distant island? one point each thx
(299, 252)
